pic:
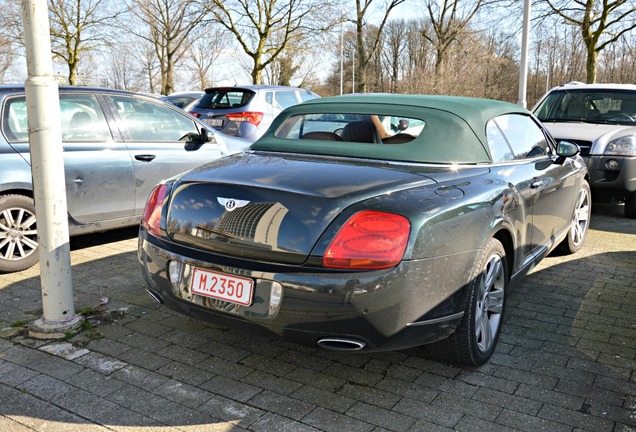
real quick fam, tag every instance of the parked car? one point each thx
(369, 222)
(117, 147)
(182, 99)
(246, 111)
(601, 119)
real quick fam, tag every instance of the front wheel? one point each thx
(580, 221)
(18, 234)
(476, 337)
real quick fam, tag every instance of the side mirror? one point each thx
(566, 149)
(194, 140)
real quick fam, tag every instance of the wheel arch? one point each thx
(17, 191)
(505, 237)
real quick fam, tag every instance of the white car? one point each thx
(601, 119)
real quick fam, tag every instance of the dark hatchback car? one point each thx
(246, 111)
(117, 146)
(369, 222)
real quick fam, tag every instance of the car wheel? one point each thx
(476, 337)
(630, 207)
(580, 221)
(18, 235)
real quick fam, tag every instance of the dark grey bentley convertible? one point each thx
(370, 222)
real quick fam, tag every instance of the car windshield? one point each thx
(591, 105)
(225, 98)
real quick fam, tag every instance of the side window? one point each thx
(525, 137)
(284, 99)
(499, 148)
(82, 119)
(147, 121)
(14, 120)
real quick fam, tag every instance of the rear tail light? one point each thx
(151, 219)
(197, 115)
(252, 117)
(369, 240)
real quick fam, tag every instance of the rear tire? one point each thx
(18, 233)
(580, 221)
(630, 207)
(475, 339)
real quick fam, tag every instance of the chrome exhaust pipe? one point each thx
(341, 344)
(155, 296)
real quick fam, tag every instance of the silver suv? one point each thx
(601, 119)
(117, 146)
(246, 111)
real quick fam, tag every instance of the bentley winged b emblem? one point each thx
(231, 203)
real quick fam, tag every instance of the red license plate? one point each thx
(222, 286)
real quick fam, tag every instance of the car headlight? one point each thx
(623, 146)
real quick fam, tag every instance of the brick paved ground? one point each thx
(566, 360)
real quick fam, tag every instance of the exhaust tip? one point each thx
(341, 344)
(155, 296)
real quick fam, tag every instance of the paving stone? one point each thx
(282, 405)
(230, 388)
(239, 414)
(274, 423)
(369, 395)
(323, 398)
(272, 382)
(384, 418)
(330, 421)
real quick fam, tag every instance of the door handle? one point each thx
(536, 184)
(145, 157)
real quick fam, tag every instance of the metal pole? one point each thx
(47, 167)
(523, 66)
(341, 53)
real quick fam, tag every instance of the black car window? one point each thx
(81, 119)
(499, 149)
(148, 121)
(524, 135)
(225, 98)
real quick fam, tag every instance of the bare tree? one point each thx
(167, 25)
(204, 50)
(265, 28)
(601, 23)
(368, 42)
(78, 27)
(393, 52)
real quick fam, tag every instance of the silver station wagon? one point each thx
(117, 146)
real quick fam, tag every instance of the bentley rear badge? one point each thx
(231, 203)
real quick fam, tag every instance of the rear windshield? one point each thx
(403, 134)
(362, 128)
(591, 105)
(225, 98)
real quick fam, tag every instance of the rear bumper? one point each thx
(612, 178)
(416, 303)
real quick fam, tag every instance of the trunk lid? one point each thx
(274, 208)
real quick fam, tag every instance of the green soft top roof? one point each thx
(454, 132)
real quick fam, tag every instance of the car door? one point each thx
(550, 183)
(154, 134)
(98, 170)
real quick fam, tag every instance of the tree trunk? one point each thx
(590, 64)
